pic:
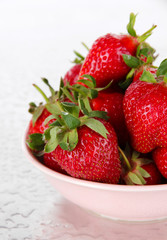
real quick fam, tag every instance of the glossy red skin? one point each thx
(94, 158)
(51, 163)
(145, 110)
(112, 103)
(104, 60)
(155, 176)
(39, 126)
(160, 158)
(139, 72)
(72, 75)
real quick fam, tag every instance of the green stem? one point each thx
(42, 93)
(125, 158)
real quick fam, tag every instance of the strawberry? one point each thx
(138, 169)
(145, 108)
(94, 158)
(39, 126)
(105, 59)
(51, 163)
(112, 103)
(160, 158)
(72, 75)
(84, 145)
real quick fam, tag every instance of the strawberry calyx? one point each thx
(161, 74)
(82, 92)
(69, 115)
(144, 52)
(144, 57)
(133, 172)
(38, 110)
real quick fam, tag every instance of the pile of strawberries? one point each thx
(108, 120)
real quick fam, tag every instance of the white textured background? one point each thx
(37, 39)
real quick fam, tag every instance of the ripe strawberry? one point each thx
(105, 59)
(72, 75)
(112, 103)
(94, 157)
(138, 169)
(39, 126)
(160, 158)
(145, 109)
(51, 163)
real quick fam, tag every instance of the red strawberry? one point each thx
(51, 162)
(39, 126)
(112, 103)
(145, 109)
(160, 158)
(155, 176)
(94, 157)
(72, 75)
(137, 169)
(105, 59)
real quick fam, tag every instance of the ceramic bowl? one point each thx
(117, 202)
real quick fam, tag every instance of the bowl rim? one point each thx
(86, 183)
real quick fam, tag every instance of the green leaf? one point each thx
(55, 139)
(131, 61)
(83, 91)
(55, 123)
(68, 94)
(73, 139)
(147, 77)
(89, 77)
(70, 121)
(36, 142)
(134, 178)
(64, 143)
(71, 108)
(87, 83)
(47, 133)
(143, 172)
(87, 104)
(93, 93)
(53, 108)
(82, 106)
(130, 26)
(96, 126)
(37, 114)
(99, 114)
(48, 119)
(162, 70)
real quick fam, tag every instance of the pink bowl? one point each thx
(118, 202)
